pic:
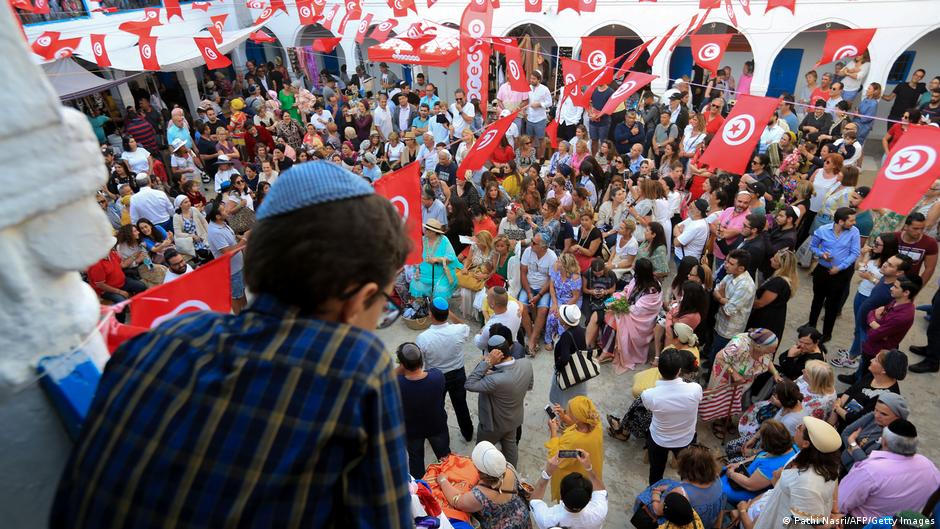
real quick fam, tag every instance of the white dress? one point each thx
(797, 495)
(662, 213)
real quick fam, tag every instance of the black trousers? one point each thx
(440, 444)
(454, 384)
(827, 292)
(933, 331)
(658, 457)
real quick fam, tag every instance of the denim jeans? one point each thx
(440, 444)
(860, 325)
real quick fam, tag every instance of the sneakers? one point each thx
(844, 360)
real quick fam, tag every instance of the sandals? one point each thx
(617, 434)
(719, 429)
(604, 359)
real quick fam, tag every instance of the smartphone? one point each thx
(570, 454)
(550, 411)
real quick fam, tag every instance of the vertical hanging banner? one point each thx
(845, 44)
(173, 9)
(353, 10)
(475, 26)
(147, 46)
(732, 146)
(707, 50)
(400, 8)
(910, 168)
(596, 52)
(215, 29)
(306, 13)
(789, 4)
(214, 59)
(729, 8)
(572, 70)
(98, 49)
(483, 148)
(363, 28)
(533, 6)
(515, 73)
(381, 31)
(633, 82)
(403, 189)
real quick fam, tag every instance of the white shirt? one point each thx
(151, 204)
(821, 187)
(428, 157)
(320, 120)
(224, 176)
(442, 345)
(511, 133)
(382, 119)
(538, 269)
(138, 160)
(851, 85)
(171, 275)
(512, 318)
(693, 238)
(771, 134)
(592, 516)
(539, 94)
(457, 120)
(674, 405)
(626, 250)
(853, 161)
(569, 113)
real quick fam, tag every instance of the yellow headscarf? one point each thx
(583, 410)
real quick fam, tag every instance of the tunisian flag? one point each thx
(142, 28)
(363, 28)
(632, 58)
(147, 46)
(789, 4)
(49, 46)
(514, 71)
(215, 29)
(533, 6)
(597, 52)
(403, 189)
(326, 45)
(98, 49)
(707, 50)
(910, 168)
(573, 70)
(586, 6)
(173, 9)
(633, 82)
(483, 148)
(845, 43)
(329, 16)
(380, 33)
(732, 146)
(208, 287)
(214, 59)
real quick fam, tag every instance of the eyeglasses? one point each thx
(715, 106)
(390, 313)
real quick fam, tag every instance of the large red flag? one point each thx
(845, 43)
(326, 45)
(597, 52)
(475, 51)
(380, 33)
(587, 6)
(98, 49)
(732, 146)
(533, 6)
(208, 287)
(363, 28)
(403, 189)
(632, 58)
(707, 50)
(789, 4)
(115, 333)
(147, 46)
(572, 73)
(173, 9)
(483, 147)
(306, 13)
(661, 44)
(218, 24)
(514, 71)
(910, 168)
(551, 130)
(633, 82)
(214, 59)
(49, 46)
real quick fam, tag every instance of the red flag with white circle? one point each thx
(353, 10)
(403, 189)
(912, 165)
(533, 6)
(209, 287)
(307, 13)
(475, 50)
(381, 31)
(789, 4)
(729, 8)
(587, 6)
(147, 46)
(629, 86)
(843, 44)
(572, 71)
(50, 46)
(363, 28)
(215, 29)
(173, 9)
(480, 153)
(98, 49)
(142, 28)
(212, 55)
(265, 15)
(731, 148)
(400, 8)
(326, 45)
(515, 74)
(569, 4)
(41, 7)
(707, 50)
(202, 6)
(597, 52)
(632, 58)
(329, 16)
(278, 5)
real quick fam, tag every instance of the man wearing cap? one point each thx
(692, 233)
(422, 398)
(678, 113)
(502, 382)
(151, 204)
(893, 479)
(288, 411)
(442, 345)
(387, 78)
(583, 498)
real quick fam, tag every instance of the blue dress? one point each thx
(436, 280)
(764, 463)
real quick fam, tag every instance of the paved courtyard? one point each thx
(625, 473)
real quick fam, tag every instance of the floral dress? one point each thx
(565, 287)
(722, 398)
(510, 515)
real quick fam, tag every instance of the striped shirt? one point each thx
(143, 132)
(265, 419)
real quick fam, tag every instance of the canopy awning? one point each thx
(441, 51)
(71, 81)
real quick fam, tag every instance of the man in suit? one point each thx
(502, 382)
(403, 114)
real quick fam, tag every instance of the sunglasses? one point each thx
(716, 106)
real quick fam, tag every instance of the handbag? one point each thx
(242, 220)
(185, 245)
(469, 279)
(581, 367)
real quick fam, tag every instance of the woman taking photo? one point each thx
(629, 335)
(611, 213)
(188, 222)
(654, 249)
(772, 296)
(577, 426)
(565, 289)
(437, 274)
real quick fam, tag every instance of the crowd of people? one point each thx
(615, 245)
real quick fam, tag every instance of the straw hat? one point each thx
(435, 226)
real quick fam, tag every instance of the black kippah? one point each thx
(902, 427)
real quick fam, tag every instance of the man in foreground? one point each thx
(286, 415)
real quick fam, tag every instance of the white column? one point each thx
(190, 86)
(239, 58)
(122, 91)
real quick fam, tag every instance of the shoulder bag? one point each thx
(581, 367)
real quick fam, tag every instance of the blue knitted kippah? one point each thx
(311, 183)
(440, 303)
